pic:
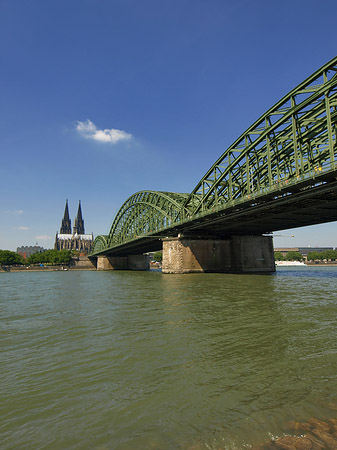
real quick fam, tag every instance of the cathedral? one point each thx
(76, 239)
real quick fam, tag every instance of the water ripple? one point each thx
(125, 360)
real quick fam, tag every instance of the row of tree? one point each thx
(290, 256)
(54, 257)
(328, 255)
(8, 258)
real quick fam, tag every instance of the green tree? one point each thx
(8, 258)
(314, 256)
(294, 256)
(50, 257)
(330, 255)
(158, 256)
(278, 256)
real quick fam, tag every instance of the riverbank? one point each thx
(322, 263)
(81, 262)
(44, 268)
(306, 264)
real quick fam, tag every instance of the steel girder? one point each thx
(290, 147)
(144, 213)
(100, 243)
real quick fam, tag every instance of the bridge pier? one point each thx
(130, 262)
(237, 254)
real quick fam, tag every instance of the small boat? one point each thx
(289, 263)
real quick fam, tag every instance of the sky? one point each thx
(104, 98)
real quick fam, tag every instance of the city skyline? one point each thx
(104, 99)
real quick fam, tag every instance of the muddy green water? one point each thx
(142, 360)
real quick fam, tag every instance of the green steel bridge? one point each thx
(280, 173)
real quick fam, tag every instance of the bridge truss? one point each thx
(289, 152)
(292, 141)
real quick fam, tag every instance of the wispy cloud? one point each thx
(14, 211)
(43, 237)
(88, 130)
(23, 228)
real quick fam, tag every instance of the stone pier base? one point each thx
(237, 254)
(253, 254)
(130, 262)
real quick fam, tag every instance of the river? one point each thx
(142, 360)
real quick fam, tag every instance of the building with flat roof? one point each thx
(26, 251)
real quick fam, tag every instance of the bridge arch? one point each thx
(100, 243)
(145, 213)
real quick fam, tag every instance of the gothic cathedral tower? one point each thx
(79, 222)
(66, 223)
(76, 240)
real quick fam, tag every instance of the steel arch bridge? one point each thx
(280, 173)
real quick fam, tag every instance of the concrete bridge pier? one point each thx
(130, 262)
(237, 254)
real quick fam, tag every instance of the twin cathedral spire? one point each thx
(66, 222)
(76, 239)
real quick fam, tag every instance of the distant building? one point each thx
(303, 250)
(285, 250)
(26, 251)
(77, 239)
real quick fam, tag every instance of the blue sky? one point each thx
(104, 98)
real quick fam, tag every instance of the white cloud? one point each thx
(43, 237)
(23, 228)
(89, 131)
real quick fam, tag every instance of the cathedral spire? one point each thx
(79, 222)
(66, 223)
